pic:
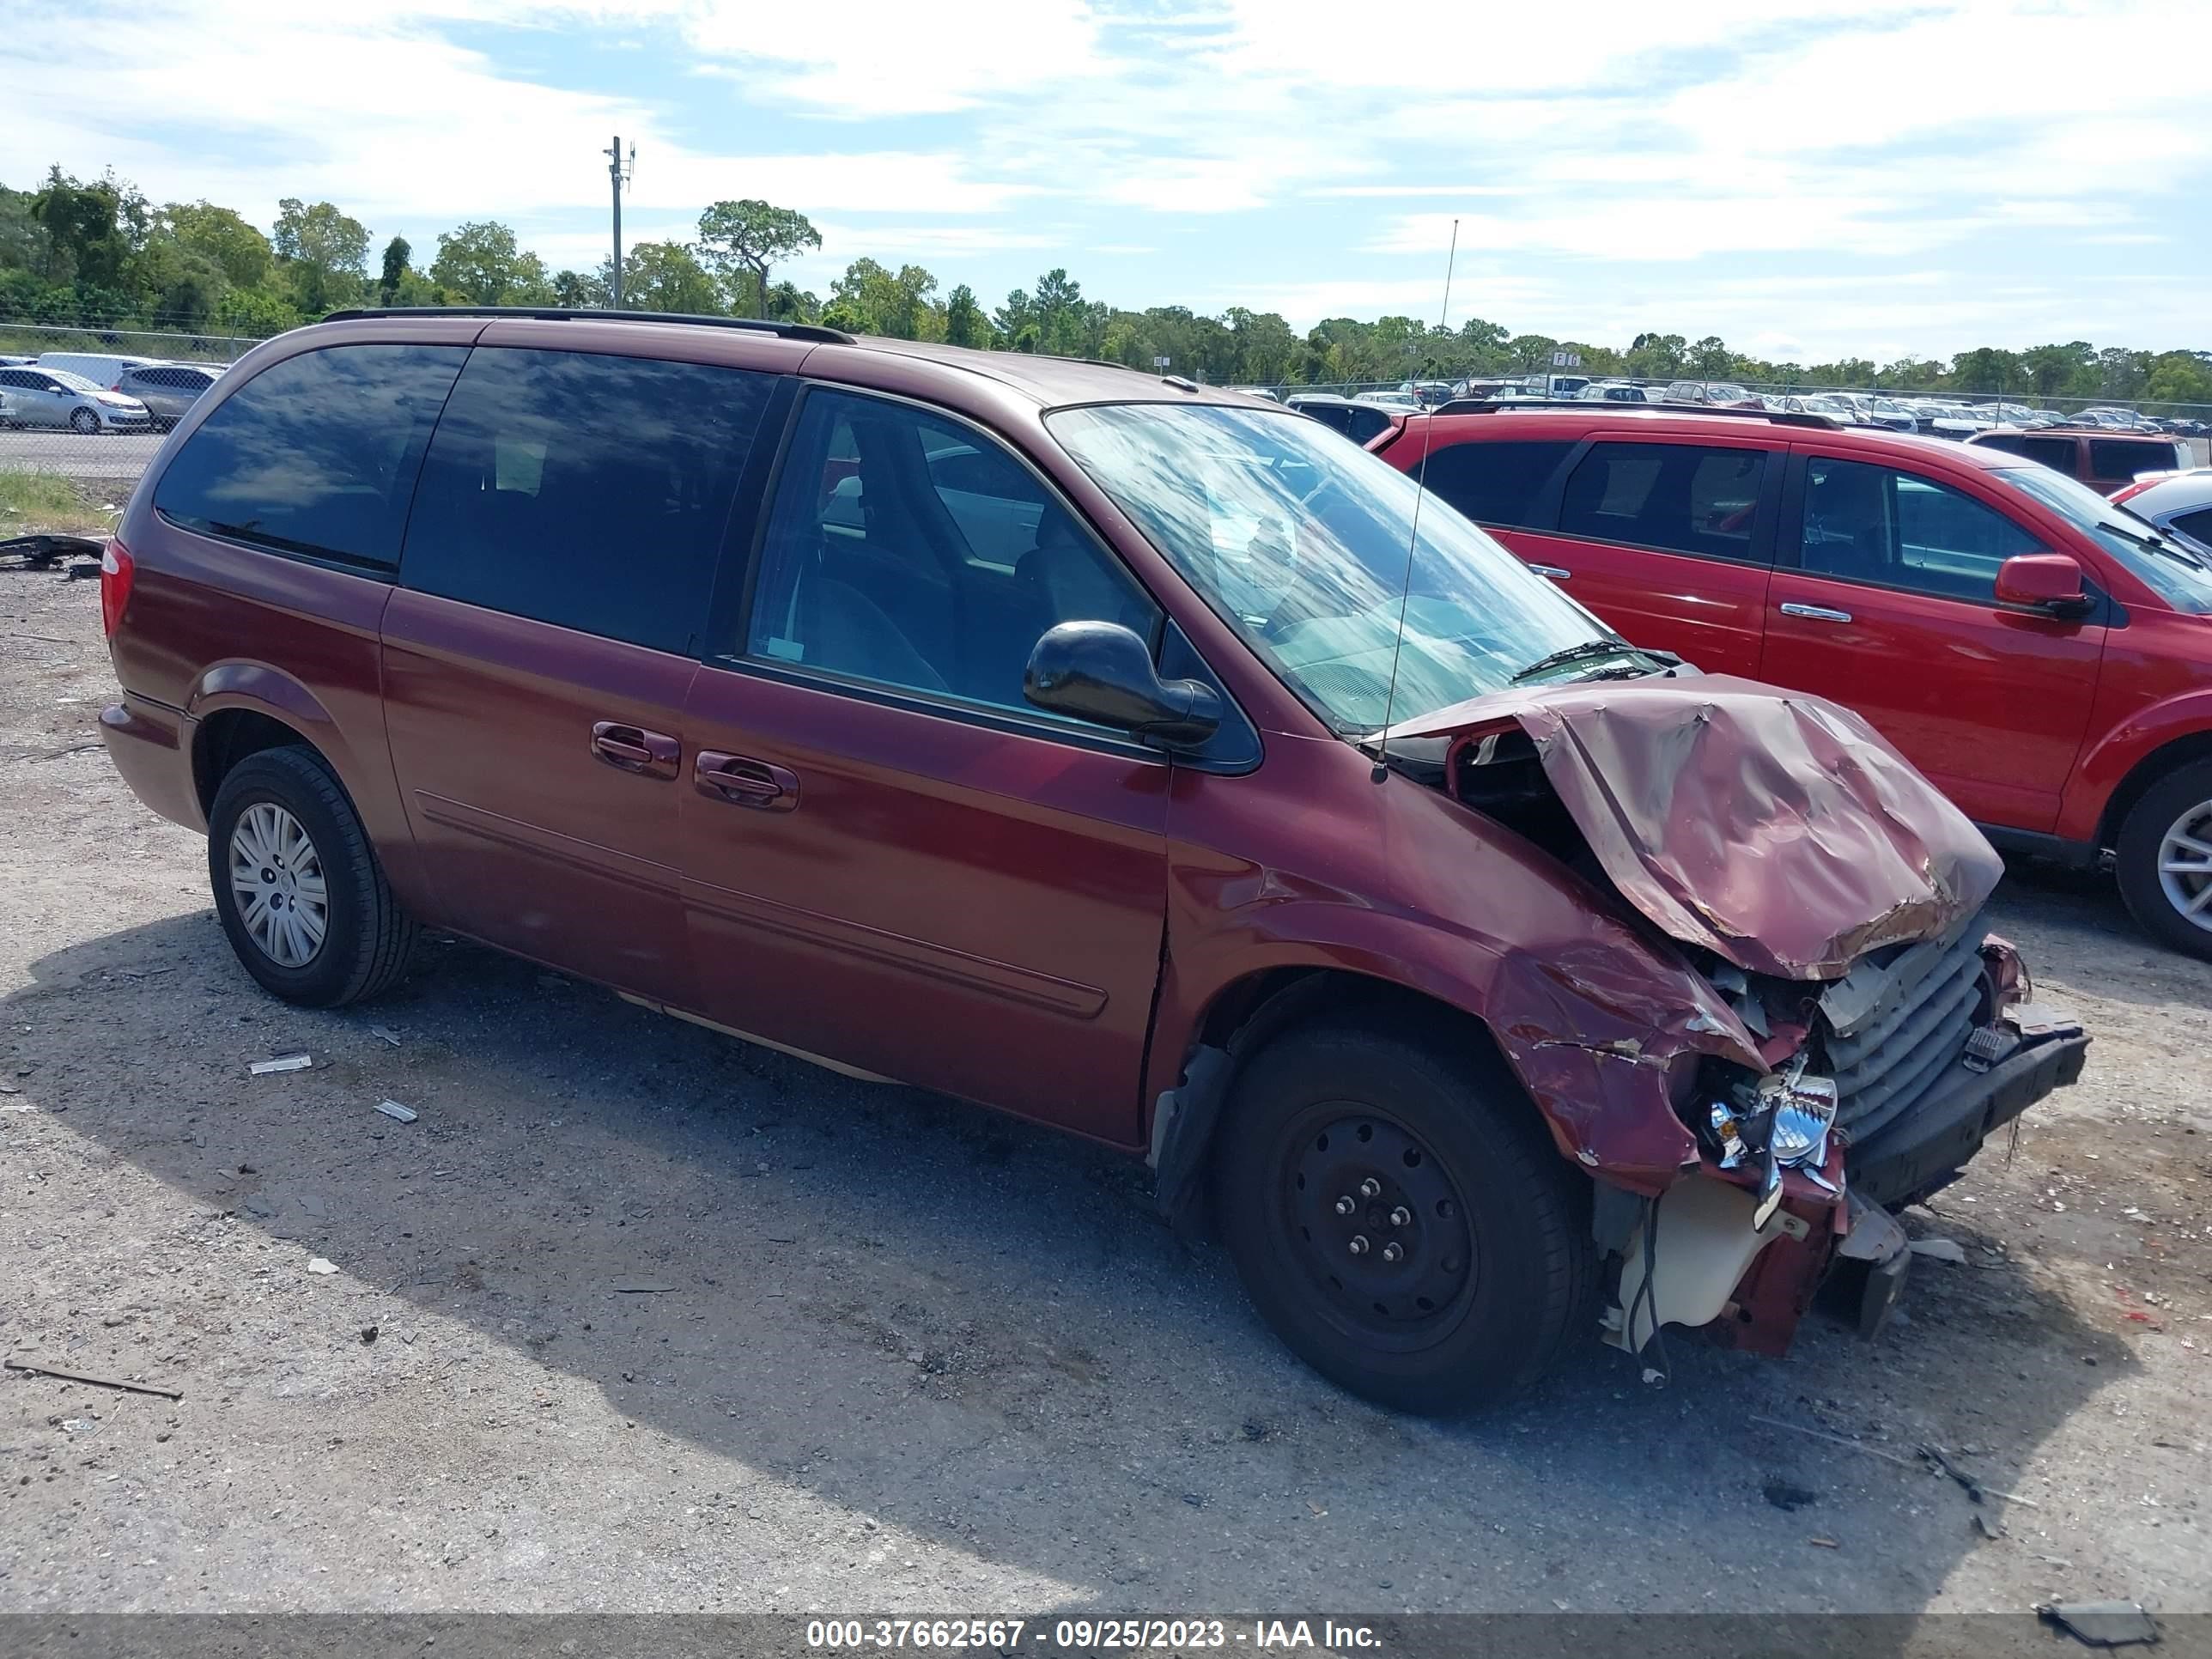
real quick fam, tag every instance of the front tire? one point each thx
(297, 884)
(2165, 859)
(84, 422)
(1398, 1215)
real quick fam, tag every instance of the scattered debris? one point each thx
(1941, 1249)
(1787, 1496)
(368, 1334)
(387, 1033)
(318, 1265)
(392, 1108)
(1992, 1530)
(2100, 1624)
(1824, 1543)
(1876, 1451)
(644, 1289)
(281, 1063)
(40, 1368)
(1936, 1455)
(312, 1204)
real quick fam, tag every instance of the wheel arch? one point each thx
(2145, 775)
(1246, 1014)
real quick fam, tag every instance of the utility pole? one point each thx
(618, 174)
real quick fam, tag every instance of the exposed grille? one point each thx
(1894, 1026)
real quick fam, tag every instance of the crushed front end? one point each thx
(1865, 1033)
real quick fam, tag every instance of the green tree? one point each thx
(740, 241)
(1525, 353)
(480, 264)
(965, 324)
(87, 238)
(870, 299)
(324, 254)
(1988, 369)
(667, 277)
(2051, 369)
(576, 290)
(2179, 377)
(397, 254)
(1710, 359)
(2121, 374)
(220, 236)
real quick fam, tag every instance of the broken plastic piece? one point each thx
(1727, 1136)
(318, 1265)
(392, 1108)
(281, 1063)
(1984, 1047)
(2101, 1624)
(1770, 1192)
(1941, 1249)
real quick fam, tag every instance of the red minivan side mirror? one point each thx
(2049, 582)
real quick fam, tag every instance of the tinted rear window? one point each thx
(1678, 496)
(317, 454)
(1495, 482)
(587, 491)
(2117, 457)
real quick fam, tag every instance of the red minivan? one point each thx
(2042, 655)
(1074, 740)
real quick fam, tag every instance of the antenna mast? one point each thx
(1413, 539)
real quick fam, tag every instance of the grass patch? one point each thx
(39, 501)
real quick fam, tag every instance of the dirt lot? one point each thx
(637, 1317)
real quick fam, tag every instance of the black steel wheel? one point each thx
(1399, 1215)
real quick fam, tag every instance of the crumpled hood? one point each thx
(1775, 828)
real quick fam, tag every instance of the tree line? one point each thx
(98, 254)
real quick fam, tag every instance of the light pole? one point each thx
(619, 169)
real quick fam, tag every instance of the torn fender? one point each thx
(1776, 829)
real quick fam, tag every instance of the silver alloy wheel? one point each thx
(276, 878)
(2184, 865)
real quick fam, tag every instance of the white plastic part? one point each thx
(1706, 1244)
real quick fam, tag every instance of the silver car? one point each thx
(168, 390)
(31, 396)
(2179, 503)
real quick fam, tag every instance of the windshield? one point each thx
(1298, 542)
(75, 382)
(2176, 573)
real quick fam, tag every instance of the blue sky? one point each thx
(1804, 177)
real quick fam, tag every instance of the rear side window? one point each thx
(587, 491)
(2197, 527)
(2059, 454)
(2116, 457)
(317, 454)
(1495, 482)
(1677, 496)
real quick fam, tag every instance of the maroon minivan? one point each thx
(1138, 758)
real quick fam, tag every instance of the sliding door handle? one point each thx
(741, 781)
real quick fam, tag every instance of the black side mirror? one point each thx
(1102, 671)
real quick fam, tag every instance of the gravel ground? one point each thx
(637, 1317)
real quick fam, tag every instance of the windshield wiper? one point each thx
(2155, 545)
(1574, 654)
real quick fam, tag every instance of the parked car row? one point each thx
(1140, 758)
(91, 392)
(2043, 655)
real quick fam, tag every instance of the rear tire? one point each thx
(1344, 1143)
(2164, 862)
(281, 832)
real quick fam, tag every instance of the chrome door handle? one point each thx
(1557, 573)
(1816, 613)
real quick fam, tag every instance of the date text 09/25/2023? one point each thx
(1096, 1635)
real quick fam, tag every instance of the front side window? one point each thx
(1303, 545)
(910, 551)
(2179, 574)
(316, 454)
(1682, 497)
(1495, 483)
(1873, 524)
(584, 490)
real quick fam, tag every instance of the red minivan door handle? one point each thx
(742, 781)
(634, 749)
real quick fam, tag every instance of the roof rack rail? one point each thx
(1584, 405)
(564, 314)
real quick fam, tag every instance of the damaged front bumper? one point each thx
(1743, 1242)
